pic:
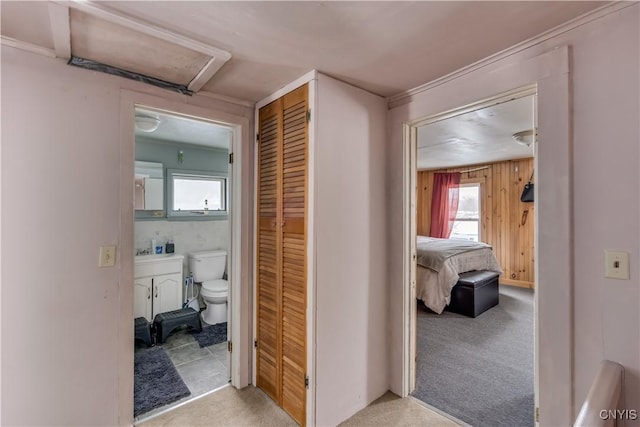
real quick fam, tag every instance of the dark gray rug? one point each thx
(211, 334)
(156, 382)
(479, 370)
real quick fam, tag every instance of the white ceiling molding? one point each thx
(60, 30)
(29, 47)
(218, 56)
(405, 97)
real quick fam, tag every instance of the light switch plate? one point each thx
(107, 256)
(617, 265)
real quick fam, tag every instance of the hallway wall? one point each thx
(61, 183)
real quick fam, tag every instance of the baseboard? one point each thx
(518, 283)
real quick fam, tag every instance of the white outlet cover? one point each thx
(616, 265)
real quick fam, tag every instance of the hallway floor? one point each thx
(251, 407)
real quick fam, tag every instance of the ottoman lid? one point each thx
(477, 278)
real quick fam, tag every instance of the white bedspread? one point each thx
(435, 288)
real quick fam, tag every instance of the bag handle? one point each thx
(531, 177)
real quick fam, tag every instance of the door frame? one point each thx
(411, 140)
(550, 74)
(239, 226)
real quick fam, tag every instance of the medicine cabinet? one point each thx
(149, 189)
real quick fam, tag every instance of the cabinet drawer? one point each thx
(145, 269)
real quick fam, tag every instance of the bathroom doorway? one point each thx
(182, 258)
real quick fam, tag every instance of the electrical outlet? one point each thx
(107, 256)
(617, 265)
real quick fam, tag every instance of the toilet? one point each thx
(208, 268)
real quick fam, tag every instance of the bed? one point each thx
(440, 261)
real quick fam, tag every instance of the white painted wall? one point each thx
(605, 193)
(351, 289)
(61, 338)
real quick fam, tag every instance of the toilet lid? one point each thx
(218, 285)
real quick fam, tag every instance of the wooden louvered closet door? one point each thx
(282, 272)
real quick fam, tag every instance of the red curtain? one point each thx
(444, 203)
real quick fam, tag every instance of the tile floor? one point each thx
(202, 369)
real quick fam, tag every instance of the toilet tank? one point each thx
(207, 265)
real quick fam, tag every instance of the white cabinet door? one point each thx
(142, 298)
(167, 293)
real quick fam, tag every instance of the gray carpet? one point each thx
(156, 381)
(479, 370)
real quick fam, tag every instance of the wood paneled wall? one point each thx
(502, 214)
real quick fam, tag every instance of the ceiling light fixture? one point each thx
(147, 123)
(525, 137)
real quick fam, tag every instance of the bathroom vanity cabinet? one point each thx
(157, 285)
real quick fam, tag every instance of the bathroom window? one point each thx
(197, 195)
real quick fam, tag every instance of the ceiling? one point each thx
(481, 136)
(248, 50)
(173, 128)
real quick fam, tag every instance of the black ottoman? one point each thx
(475, 293)
(143, 330)
(167, 322)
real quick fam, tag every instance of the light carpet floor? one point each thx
(251, 407)
(479, 370)
(390, 410)
(226, 407)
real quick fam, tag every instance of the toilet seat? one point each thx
(215, 288)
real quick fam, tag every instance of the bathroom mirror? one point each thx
(149, 189)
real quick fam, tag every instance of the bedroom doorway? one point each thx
(482, 343)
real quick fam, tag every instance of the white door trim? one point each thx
(239, 274)
(550, 73)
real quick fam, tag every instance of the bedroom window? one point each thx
(467, 223)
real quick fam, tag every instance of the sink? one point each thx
(157, 257)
